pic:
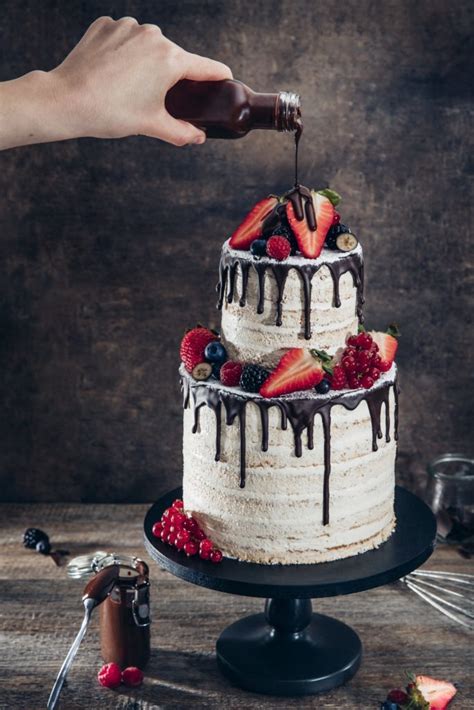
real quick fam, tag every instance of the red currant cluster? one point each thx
(360, 364)
(182, 531)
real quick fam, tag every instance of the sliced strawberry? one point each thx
(438, 693)
(251, 227)
(311, 243)
(388, 345)
(298, 369)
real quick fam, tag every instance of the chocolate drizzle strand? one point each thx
(230, 262)
(301, 414)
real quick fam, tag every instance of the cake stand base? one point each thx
(288, 650)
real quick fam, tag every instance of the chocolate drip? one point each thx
(280, 278)
(218, 413)
(326, 419)
(303, 205)
(301, 414)
(351, 263)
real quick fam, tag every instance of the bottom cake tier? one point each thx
(298, 479)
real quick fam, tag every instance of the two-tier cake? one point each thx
(290, 414)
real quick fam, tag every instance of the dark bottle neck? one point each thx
(281, 112)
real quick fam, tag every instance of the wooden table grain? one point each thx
(41, 611)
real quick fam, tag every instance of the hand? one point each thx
(113, 84)
(117, 78)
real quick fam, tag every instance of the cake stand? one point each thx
(289, 650)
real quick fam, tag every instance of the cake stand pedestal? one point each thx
(289, 650)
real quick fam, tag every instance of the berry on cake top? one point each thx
(301, 221)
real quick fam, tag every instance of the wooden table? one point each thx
(41, 612)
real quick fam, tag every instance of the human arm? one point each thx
(113, 84)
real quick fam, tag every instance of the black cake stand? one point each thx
(289, 650)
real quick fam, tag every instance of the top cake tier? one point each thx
(269, 306)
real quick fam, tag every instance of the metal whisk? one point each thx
(449, 592)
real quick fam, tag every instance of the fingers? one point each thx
(174, 131)
(199, 68)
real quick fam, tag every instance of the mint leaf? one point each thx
(332, 196)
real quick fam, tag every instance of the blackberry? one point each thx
(253, 377)
(284, 230)
(332, 235)
(35, 539)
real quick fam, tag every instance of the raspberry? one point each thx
(193, 345)
(191, 548)
(156, 529)
(216, 556)
(110, 675)
(132, 677)
(230, 373)
(278, 248)
(397, 696)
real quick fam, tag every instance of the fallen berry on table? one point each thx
(110, 675)
(132, 677)
(397, 696)
(35, 539)
(230, 373)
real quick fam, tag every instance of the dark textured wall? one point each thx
(110, 249)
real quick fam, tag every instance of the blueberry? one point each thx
(388, 705)
(258, 247)
(323, 387)
(332, 235)
(215, 352)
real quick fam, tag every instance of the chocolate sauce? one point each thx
(300, 413)
(351, 263)
(230, 109)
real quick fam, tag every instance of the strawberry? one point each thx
(193, 345)
(387, 346)
(251, 227)
(311, 243)
(438, 693)
(298, 369)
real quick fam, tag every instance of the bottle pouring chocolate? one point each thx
(230, 109)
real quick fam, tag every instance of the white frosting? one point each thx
(277, 517)
(252, 337)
